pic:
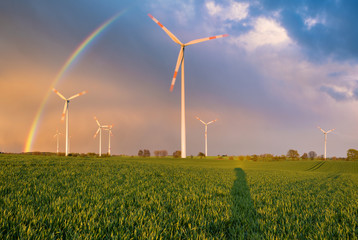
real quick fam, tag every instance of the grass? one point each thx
(45, 197)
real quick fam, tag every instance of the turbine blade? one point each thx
(171, 35)
(212, 121)
(77, 95)
(97, 132)
(321, 129)
(64, 111)
(200, 120)
(99, 125)
(205, 39)
(331, 130)
(180, 58)
(59, 94)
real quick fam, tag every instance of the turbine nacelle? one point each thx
(205, 122)
(181, 52)
(325, 132)
(104, 127)
(67, 100)
(65, 111)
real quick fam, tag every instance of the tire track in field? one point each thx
(316, 166)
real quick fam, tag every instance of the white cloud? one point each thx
(213, 8)
(235, 11)
(265, 32)
(311, 22)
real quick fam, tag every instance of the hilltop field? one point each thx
(51, 197)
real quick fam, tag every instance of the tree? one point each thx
(292, 154)
(352, 154)
(146, 153)
(177, 154)
(312, 155)
(200, 154)
(164, 153)
(304, 156)
(140, 153)
(161, 153)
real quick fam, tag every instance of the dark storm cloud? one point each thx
(333, 32)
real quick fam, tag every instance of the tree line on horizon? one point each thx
(352, 155)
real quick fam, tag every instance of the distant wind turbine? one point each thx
(325, 140)
(206, 133)
(57, 135)
(99, 130)
(109, 129)
(180, 61)
(65, 111)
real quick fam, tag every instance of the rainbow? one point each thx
(86, 42)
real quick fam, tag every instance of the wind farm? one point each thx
(275, 73)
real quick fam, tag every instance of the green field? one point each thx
(45, 197)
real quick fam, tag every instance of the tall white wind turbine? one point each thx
(65, 111)
(206, 133)
(57, 135)
(99, 130)
(180, 61)
(325, 140)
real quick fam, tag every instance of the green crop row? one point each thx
(50, 197)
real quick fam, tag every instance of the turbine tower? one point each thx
(325, 140)
(99, 130)
(206, 133)
(180, 61)
(65, 111)
(57, 135)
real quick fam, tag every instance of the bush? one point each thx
(177, 154)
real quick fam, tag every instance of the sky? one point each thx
(285, 68)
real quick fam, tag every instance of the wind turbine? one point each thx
(109, 129)
(99, 130)
(206, 133)
(65, 111)
(57, 135)
(181, 61)
(325, 140)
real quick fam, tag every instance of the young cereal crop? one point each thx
(132, 198)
